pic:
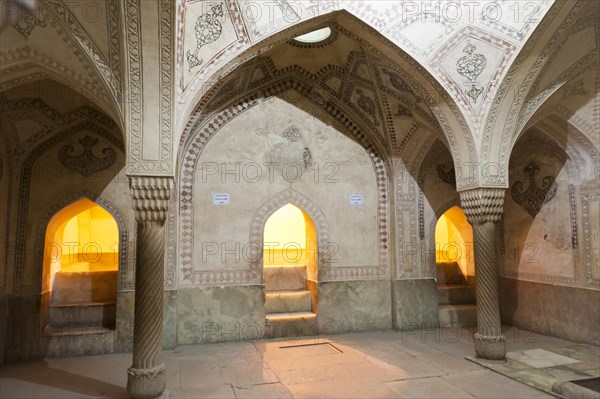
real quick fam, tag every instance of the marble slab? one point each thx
(540, 358)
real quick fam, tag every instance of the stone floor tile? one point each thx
(38, 380)
(266, 391)
(566, 373)
(361, 371)
(380, 364)
(341, 388)
(212, 391)
(449, 364)
(488, 384)
(540, 358)
(584, 353)
(284, 361)
(405, 366)
(537, 378)
(434, 387)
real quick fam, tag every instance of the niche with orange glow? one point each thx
(454, 240)
(81, 262)
(285, 237)
(290, 252)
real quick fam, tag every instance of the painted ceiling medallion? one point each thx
(471, 66)
(576, 89)
(208, 29)
(365, 103)
(399, 84)
(86, 163)
(292, 134)
(533, 198)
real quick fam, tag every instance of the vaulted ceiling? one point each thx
(433, 69)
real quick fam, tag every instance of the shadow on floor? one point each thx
(41, 373)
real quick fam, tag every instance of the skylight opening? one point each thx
(315, 36)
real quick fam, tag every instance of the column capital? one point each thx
(150, 195)
(483, 204)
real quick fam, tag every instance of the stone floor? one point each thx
(541, 368)
(392, 364)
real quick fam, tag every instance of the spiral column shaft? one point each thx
(146, 378)
(483, 208)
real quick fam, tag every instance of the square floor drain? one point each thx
(316, 349)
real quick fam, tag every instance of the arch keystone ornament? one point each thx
(146, 378)
(483, 208)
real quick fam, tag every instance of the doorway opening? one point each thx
(290, 271)
(81, 262)
(455, 269)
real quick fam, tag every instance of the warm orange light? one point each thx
(454, 240)
(285, 237)
(83, 237)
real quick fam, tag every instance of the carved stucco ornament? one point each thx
(27, 23)
(447, 176)
(86, 163)
(367, 105)
(534, 197)
(471, 66)
(403, 112)
(291, 157)
(399, 84)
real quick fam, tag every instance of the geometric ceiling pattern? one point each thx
(436, 69)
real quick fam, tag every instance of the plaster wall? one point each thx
(550, 309)
(46, 186)
(542, 245)
(550, 271)
(269, 149)
(439, 195)
(236, 313)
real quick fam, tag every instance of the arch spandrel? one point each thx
(538, 72)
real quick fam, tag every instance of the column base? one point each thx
(146, 383)
(490, 347)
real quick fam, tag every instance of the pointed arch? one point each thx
(435, 98)
(108, 206)
(466, 258)
(191, 150)
(25, 175)
(516, 96)
(306, 205)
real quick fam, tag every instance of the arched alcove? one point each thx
(285, 237)
(455, 269)
(290, 261)
(80, 267)
(454, 240)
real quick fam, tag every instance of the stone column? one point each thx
(146, 378)
(483, 208)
